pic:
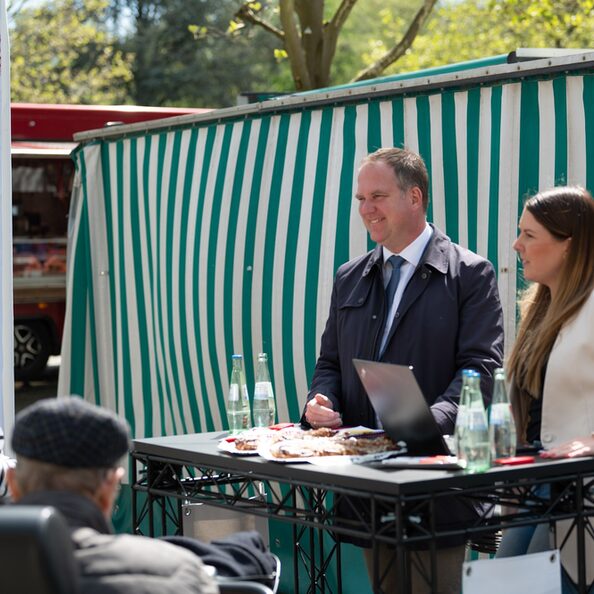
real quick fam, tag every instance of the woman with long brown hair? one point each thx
(552, 363)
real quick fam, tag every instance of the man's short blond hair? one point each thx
(409, 168)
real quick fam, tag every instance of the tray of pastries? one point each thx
(291, 443)
(326, 442)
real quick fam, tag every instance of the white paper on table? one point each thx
(537, 573)
(329, 460)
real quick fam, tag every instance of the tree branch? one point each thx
(331, 32)
(400, 48)
(292, 40)
(247, 15)
(311, 21)
(341, 15)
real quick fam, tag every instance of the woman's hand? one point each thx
(583, 446)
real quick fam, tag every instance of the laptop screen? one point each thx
(401, 407)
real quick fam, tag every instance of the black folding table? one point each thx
(191, 468)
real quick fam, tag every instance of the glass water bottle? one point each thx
(238, 402)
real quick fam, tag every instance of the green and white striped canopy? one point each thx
(222, 236)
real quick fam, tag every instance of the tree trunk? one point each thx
(297, 58)
(311, 50)
(331, 33)
(311, 17)
(311, 46)
(400, 48)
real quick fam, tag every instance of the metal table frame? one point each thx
(190, 468)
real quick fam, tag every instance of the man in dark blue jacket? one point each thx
(416, 299)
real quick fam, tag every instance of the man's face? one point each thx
(390, 214)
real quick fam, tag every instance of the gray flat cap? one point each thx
(70, 432)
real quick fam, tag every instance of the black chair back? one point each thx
(36, 552)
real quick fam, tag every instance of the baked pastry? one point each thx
(362, 445)
(251, 439)
(320, 432)
(295, 442)
(336, 445)
(306, 448)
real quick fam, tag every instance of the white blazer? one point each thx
(568, 395)
(568, 408)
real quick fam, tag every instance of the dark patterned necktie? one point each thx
(397, 262)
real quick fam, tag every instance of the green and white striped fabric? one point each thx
(223, 237)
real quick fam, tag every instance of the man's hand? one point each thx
(319, 412)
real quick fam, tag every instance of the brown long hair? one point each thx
(566, 212)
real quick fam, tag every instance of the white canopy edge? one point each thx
(6, 316)
(41, 150)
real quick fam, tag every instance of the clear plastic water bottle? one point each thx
(264, 404)
(238, 402)
(502, 429)
(462, 411)
(473, 445)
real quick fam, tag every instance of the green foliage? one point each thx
(62, 52)
(234, 27)
(273, 73)
(327, 40)
(280, 54)
(183, 55)
(371, 29)
(198, 32)
(471, 29)
(194, 53)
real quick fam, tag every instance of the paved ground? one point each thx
(45, 387)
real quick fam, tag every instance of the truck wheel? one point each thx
(31, 349)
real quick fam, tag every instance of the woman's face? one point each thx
(542, 254)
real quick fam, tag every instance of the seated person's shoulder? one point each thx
(124, 559)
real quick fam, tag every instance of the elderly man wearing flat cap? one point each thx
(68, 455)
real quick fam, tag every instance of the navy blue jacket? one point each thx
(449, 319)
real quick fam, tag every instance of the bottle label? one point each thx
(233, 392)
(244, 393)
(261, 391)
(499, 413)
(477, 419)
(462, 416)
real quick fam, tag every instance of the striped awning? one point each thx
(222, 236)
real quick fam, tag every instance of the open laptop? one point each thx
(401, 407)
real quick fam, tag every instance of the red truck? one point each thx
(42, 176)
